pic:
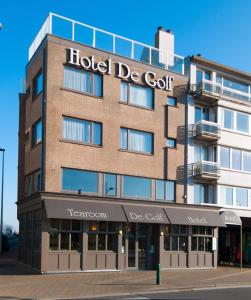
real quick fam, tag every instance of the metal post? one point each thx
(158, 274)
(241, 246)
(1, 224)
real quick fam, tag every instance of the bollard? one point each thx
(158, 274)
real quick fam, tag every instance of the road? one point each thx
(210, 294)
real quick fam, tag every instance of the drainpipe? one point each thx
(186, 148)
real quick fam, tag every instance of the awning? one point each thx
(230, 217)
(193, 216)
(145, 214)
(83, 210)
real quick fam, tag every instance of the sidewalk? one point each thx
(19, 282)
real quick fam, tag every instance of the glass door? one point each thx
(142, 246)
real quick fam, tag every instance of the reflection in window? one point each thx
(236, 159)
(137, 187)
(36, 133)
(37, 84)
(165, 190)
(110, 184)
(226, 195)
(247, 161)
(225, 157)
(241, 197)
(228, 119)
(242, 121)
(78, 180)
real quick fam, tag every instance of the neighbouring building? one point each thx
(103, 130)
(219, 152)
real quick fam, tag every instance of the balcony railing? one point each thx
(207, 130)
(205, 169)
(107, 41)
(216, 91)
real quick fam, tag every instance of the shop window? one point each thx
(201, 238)
(175, 238)
(102, 236)
(136, 95)
(65, 235)
(137, 187)
(83, 81)
(110, 184)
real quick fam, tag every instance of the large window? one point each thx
(110, 184)
(36, 133)
(165, 190)
(136, 95)
(234, 196)
(102, 236)
(65, 235)
(235, 121)
(135, 140)
(137, 187)
(202, 238)
(82, 131)
(37, 84)
(83, 81)
(235, 159)
(204, 193)
(80, 181)
(247, 161)
(175, 238)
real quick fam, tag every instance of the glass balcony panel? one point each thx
(104, 41)
(61, 27)
(141, 53)
(175, 64)
(158, 59)
(83, 35)
(123, 47)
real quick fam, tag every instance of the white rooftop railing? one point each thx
(107, 41)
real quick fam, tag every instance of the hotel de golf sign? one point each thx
(122, 70)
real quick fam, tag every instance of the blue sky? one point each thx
(219, 30)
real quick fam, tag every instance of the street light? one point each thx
(1, 224)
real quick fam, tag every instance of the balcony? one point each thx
(207, 131)
(211, 92)
(205, 170)
(85, 34)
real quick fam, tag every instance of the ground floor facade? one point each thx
(62, 233)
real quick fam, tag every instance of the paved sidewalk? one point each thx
(19, 282)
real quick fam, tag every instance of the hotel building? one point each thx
(102, 175)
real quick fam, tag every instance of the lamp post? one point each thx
(1, 224)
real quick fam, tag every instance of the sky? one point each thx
(219, 30)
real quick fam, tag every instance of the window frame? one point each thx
(91, 143)
(175, 100)
(128, 138)
(35, 92)
(128, 100)
(165, 190)
(174, 140)
(34, 134)
(92, 87)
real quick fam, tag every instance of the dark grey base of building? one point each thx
(52, 240)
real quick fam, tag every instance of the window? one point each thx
(204, 193)
(165, 190)
(80, 181)
(38, 84)
(172, 101)
(32, 183)
(242, 122)
(235, 85)
(200, 75)
(65, 235)
(201, 153)
(226, 195)
(228, 119)
(137, 187)
(110, 184)
(236, 159)
(241, 197)
(201, 113)
(171, 143)
(134, 140)
(36, 133)
(202, 238)
(225, 157)
(247, 161)
(102, 236)
(82, 131)
(175, 238)
(83, 81)
(136, 95)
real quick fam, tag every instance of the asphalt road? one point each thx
(211, 294)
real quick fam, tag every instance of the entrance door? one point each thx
(142, 246)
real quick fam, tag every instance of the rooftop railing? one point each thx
(79, 32)
(219, 91)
